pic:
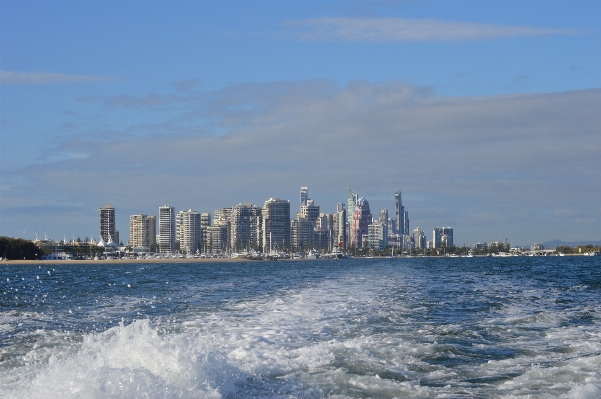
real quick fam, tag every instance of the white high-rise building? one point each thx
(189, 231)
(340, 226)
(167, 229)
(304, 196)
(378, 235)
(419, 237)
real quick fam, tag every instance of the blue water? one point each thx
(370, 328)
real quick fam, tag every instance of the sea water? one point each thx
(356, 328)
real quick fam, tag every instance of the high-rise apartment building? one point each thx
(205, 222)
(300, 234)
(245, 224)
(142, 231)
(167, 226)
(340, 226)
(189, 231)
(108, 233)
(217, 238)
(221, 217)
(276, 224)
(360, 223)
(310, 211)
(378, 235)
(419, 237)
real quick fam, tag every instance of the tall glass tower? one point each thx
(399, 214)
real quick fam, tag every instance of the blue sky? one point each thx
(484, 114)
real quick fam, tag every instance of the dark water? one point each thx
(381, 328)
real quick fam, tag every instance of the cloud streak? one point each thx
(510, 161)
(45, 78)
(391, 30)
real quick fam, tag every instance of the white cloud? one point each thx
(407, 30)
(44, 78)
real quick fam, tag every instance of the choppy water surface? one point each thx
(373, 328)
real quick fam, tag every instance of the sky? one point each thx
(486, 115)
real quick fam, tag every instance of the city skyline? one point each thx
(485, 115)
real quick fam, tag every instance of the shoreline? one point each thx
(119, 261)
(201, 260)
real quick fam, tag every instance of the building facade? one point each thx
(399, 214)
(419, 237)
(276, 224)
(340, 222)
(245, 225)
(108, 233)
(446, 237)
(378, 235)
(360, 223)
(304, 196)
(167, 227)
(189, 231)
(142, 231)
(217, 241)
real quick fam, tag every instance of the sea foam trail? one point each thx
(388, 331)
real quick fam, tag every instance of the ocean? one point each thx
(525, 327)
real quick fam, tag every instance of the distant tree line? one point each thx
(18, 248)
(579, 249)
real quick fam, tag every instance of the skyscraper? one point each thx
(383, 216)
(304, 196)
(302, 229)
(352, 198)
(340, 226)
(142, 231)
(245, 222)
(436, 237)
(189, 231)
(276, 224)
(107, 224)
(378, 235)
(447, 236)
(399, 214)
(360, 222)
(419, 238)
(167, 229)
(205, 222)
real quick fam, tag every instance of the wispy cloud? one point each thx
(494, 160)
(45, 78)
(407, 30)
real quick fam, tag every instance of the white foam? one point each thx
(342, 338)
